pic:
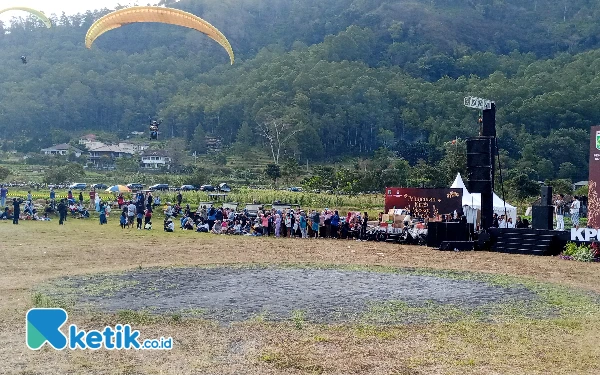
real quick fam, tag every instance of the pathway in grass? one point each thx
(324, 295)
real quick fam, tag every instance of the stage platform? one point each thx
(511, 241)
(528, 241)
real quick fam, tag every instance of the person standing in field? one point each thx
(131, 213)
(3, 194)
(575, 206)
(335, 223)
(316, 219)
(92, 198)
(52, 198)
(16, 210)
(363, 229)
(148, 215)
(277, 224)
(97, 202)
(62, 212)
(559, 208)
(303, 224)
(103, 213)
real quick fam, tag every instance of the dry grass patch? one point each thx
(33, 253)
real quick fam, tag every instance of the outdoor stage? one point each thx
(457, 236)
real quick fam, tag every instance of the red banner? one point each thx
(424, 203)
(594, 180)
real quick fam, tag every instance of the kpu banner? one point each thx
(594, 180)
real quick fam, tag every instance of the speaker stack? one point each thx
(543, 215)
(480, 164)
(480, 172)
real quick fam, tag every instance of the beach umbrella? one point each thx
(119, 189)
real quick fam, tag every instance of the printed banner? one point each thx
(594, 180)
(424, 203)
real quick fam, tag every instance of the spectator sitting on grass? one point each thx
(169, 210)
(169, 226)
(5, 215)
(217, 227)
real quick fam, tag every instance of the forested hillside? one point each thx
(349, 76)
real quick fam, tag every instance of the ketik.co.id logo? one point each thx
(43, 326)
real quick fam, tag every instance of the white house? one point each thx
(62, 149)
(89, 141)
(109, 153)
(155, 160)
(133, 147)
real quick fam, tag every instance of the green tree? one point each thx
(198, 142)
(127, 164)
(567, 171)
(454, 161)
(290, 170)
(522, 187)
(175, 147)
(65, 174)
(245, 137)
(273, 172)
(4, 173)
(560, 186)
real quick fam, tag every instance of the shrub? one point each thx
(580, 253)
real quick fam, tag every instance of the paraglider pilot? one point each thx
(154, 129)
(24, 59)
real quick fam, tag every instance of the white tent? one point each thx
(473, 201)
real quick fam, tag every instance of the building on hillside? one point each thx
(90, 142)
(134, 147)
(155, 159)
(87, 139)
(105, 156)
(62, 149)
(214, 144)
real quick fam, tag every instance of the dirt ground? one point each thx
(234, 294)
(34, 253)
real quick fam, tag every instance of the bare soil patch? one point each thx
(228, 294)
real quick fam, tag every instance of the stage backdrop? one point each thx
(424, 202)
(594, 192)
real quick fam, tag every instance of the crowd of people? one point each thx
(271, 222)
(563, 207)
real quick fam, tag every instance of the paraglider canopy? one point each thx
(171, 16)
(37, 13)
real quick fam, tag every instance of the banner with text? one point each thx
(424, 203)
(594, 180)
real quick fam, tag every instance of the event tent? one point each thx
(473, 201)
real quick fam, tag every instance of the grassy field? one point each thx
(34, 253)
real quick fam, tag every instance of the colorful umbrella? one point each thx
(118, 189)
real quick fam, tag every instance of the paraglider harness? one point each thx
(154, 128)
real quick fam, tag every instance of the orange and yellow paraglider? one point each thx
(155, 14)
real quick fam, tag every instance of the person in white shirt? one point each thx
(130, 212)
(509, 223)
(560, 212)
(217, 227)
(169, 210)
(501, 222)
(575, 206)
